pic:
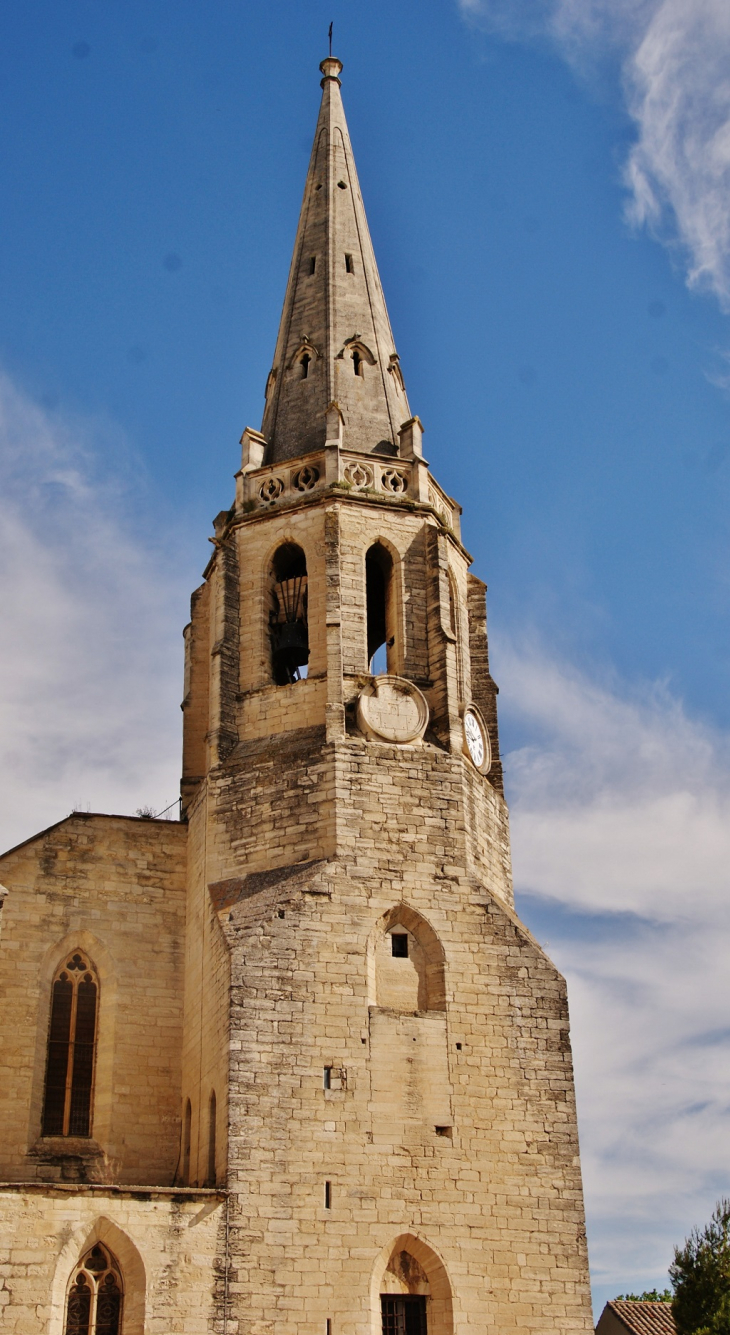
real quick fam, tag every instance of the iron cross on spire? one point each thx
(330, 37)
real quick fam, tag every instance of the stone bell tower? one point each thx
(384, 1041)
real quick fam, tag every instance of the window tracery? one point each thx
(95, 1295)
(71, 1049)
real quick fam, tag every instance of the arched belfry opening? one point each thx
(288, 625)
(411, 1291)
(380, 602)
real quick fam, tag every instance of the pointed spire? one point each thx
(335, 344)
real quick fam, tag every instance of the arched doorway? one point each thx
(411, 1293)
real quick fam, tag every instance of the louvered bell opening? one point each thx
(289, 633)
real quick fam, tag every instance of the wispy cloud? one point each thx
(90, 666)
(621, 834)
(675, 63)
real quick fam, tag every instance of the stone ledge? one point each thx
(114, 1189)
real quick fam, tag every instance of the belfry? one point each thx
(293, 1064)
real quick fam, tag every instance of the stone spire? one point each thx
(335, 344)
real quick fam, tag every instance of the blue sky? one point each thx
(547, 186)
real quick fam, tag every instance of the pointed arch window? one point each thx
(67, 1102)
(288, 625)
(379, 593)
(95, 1295)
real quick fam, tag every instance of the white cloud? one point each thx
(621, 833)
(90, 658)
(675, 57)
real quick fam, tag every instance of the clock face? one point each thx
(474, 737)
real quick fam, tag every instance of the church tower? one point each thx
(389, 1050)
(292, 1065)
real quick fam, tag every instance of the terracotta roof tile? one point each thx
(645, 1318)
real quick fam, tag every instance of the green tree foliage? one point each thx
(648, 1296)
(700, 1275)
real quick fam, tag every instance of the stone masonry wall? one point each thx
(165, 1243)
(113, 886)
(495, 1196)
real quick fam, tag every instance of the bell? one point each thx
(289, 649)
(289, 634)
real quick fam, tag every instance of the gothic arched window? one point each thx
(94, 1302)
(380, 610)
(71, 1049)
(288, 614)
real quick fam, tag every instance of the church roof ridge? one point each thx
(89, 815)
(335, 342)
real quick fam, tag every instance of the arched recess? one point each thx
(288, 622)
(359, 354)
(409, 1269)
(303, 361)
(410, 1087)
(406, 963)
(456, 628)
(211, 1176)
(130, 1265)
(383, 607)
(104, 966)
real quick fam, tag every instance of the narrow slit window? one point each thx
(313, 264)
(349, 264)
(327, 1077)
(357, 362)
(305, 364)
(399, 945)
(327, 1195)
(71, 1049)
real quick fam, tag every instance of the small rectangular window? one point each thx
(327, 1077)
(313, 264)
(327, 1195)
(349, 265)
(399, 945)
(329, 1326)
(403, 1316)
